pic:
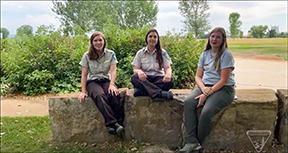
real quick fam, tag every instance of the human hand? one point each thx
(142, 76)
(82, 97)
(166, 78)
(201, 101)
(113, 90)
(207, 91)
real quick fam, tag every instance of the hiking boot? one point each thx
(190, 147)
(119, 130)
(168, 95)
(138, 92)
(111, 130)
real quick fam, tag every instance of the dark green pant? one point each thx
(199, 127)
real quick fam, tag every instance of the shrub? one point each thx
(50, 62)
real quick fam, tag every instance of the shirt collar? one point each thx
(147, 51)
(104, 52)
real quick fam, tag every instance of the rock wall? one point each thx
(253, 110)
(159, 121)
(281, 131)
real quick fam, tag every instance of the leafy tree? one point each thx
(241, 34)
(258, 31)
(234, 24)
(4, 32)
(78, 17)
(45, 30)
(24, 30)
(271, 33)
(195, 15)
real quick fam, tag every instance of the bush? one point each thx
(50, 62)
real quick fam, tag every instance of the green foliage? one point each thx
(24, 30)
(258, 31)
(43, 63)
(184, 53)
(79, 17)
(196, 16)
(234, 24)
(125, 43)
(4, 33)
(49, 62)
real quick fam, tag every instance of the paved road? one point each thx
(260, 73)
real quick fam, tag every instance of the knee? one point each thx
(207, 114)
(97, 95)
(188, 104)
(134, 78)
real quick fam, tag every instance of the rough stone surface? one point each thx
(153, 121)
(73, 121)
(155, 149)
(158, 122)
(283, 117)
(253, 110)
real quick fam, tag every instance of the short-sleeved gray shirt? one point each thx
(210, 75)
(99, 69)
(147, 61)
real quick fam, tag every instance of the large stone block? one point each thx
(253, 110)
(153, 121)
(73, 121)
(282, 123)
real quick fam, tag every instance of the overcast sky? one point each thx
(270, 13)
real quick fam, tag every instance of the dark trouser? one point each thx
(199, 127)
(109, 105)
(153, 85)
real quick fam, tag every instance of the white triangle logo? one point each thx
(258, 138)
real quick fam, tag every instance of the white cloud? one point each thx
(35, 13)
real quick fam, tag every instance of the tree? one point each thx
(234, 24)
(4, 33)
(258, 31)
(78, 17)
(195, 15)
(24, 30)
(271, 33)
(44, 30)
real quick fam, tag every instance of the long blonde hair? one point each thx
(223, 46)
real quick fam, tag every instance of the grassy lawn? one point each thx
(33, 135)
(265, 46)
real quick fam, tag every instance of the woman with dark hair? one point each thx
(214, 91)
(152, 69)
(98, 82)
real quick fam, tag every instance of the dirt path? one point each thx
(251, 71)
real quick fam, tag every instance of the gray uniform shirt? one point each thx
(99, 69)
(146, 61)
(210, 75)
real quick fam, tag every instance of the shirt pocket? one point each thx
(94, 67)
(145, 63)
(106, 66)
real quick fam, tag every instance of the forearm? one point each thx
(112, 73)
(199, 83)
(83, 83)
(136, 70)
(168, 71)
(113, 77)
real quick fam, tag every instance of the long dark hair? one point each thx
(93, 53)
(223, 46)
(159, 57)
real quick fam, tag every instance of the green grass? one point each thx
(33, 135)
(268, 46)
